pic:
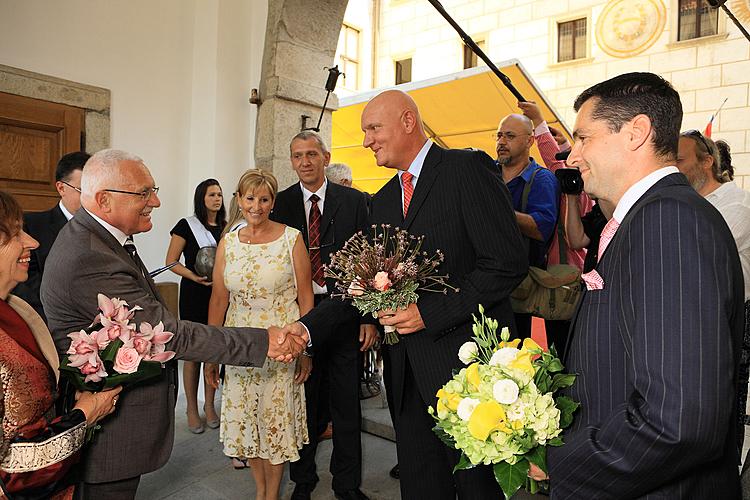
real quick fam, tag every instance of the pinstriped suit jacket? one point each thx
(656, 352)
(462, 208)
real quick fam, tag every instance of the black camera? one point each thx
(570, 180)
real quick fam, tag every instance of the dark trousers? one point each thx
(114, 490)
(425, 463)
(523, 325)
(339, 358)
(557, 334)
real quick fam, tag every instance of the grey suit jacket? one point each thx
(86, 260)
(656, 353)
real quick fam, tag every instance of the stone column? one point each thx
(301, 39)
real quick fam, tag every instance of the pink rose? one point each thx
(381, 281)
(127, 360)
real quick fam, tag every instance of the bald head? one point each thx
(393, 129)
(515, 136)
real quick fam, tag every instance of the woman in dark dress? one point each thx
(189, 235)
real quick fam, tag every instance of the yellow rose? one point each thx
(510, 343)
(487, 417)
(448, 400)
(530, 344)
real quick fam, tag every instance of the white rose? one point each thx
(468, 352)
(505, 391)
(466, 408)
(504, 356)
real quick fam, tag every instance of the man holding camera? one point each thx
(534, 191)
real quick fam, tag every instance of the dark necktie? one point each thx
(406, 180)
(313, 227)
(129, 247)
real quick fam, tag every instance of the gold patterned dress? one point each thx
(262, 409)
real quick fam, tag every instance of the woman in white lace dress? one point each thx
(261, 278)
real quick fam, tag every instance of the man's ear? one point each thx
(409, 121)
(60, 187)
(103, 199)
(639, 131)
(326, 158)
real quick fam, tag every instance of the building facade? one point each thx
(566, 46)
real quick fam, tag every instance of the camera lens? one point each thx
(570, 180)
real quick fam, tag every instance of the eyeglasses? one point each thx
(509, 136)
(72, 186)
(697, 134)
(145, 194)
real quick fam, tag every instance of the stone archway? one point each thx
(301, 39)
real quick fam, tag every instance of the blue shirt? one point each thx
(542, 205)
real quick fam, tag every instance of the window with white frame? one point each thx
(571, 40)
(696, 19)
(349, 56)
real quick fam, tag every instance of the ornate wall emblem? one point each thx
(628, 27)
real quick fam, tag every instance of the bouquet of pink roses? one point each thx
(385, 272)
(116, 353)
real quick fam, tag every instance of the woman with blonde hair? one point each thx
(262, 277)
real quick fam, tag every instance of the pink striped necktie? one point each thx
(408, 188)
(607, 234)
(593, 279)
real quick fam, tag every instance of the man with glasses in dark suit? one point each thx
(44, 226)
(327, 215)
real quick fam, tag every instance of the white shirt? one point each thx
(734, 205)
(306, 194)
(65, 212)
(639, 189)
(119, 235)
(415, 168)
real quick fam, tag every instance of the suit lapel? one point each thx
(427, 176)
(386, 204)
(57, 219)
(92, 225)
(330, 206)
(298, 211)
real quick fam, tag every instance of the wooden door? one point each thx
(34, 134)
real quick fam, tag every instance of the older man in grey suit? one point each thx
(95, 254)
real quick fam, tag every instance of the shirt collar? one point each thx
(65, 211)
(118, 235)
(638, 189)
(416, 165)
(530, 168)
(321, 192)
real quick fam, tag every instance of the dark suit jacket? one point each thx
(86, 260)
(43, 227)
(462, 208)
(656, 352)
(344, 213)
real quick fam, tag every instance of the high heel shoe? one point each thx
(213, 423)
(239, 463)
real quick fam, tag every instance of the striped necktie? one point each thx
(408, 187)
(313, 228)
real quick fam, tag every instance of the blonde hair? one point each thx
(249, 182)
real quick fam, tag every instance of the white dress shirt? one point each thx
(734, 205)
(119, 235)
(639, 189)
(306, 194)
(65, 211)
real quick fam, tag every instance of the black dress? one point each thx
(193, 297)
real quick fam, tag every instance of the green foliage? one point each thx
(463, 463)
(511, 477)
(567, 407)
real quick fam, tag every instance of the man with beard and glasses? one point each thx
(534, 192)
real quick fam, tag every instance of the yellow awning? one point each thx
(461, 110)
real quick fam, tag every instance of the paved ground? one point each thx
(198, 470)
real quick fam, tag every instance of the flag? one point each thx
(707, 130)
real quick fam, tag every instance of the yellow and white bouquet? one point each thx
(502, 410)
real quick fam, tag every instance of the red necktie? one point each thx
(313, 227)
(408, 187)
